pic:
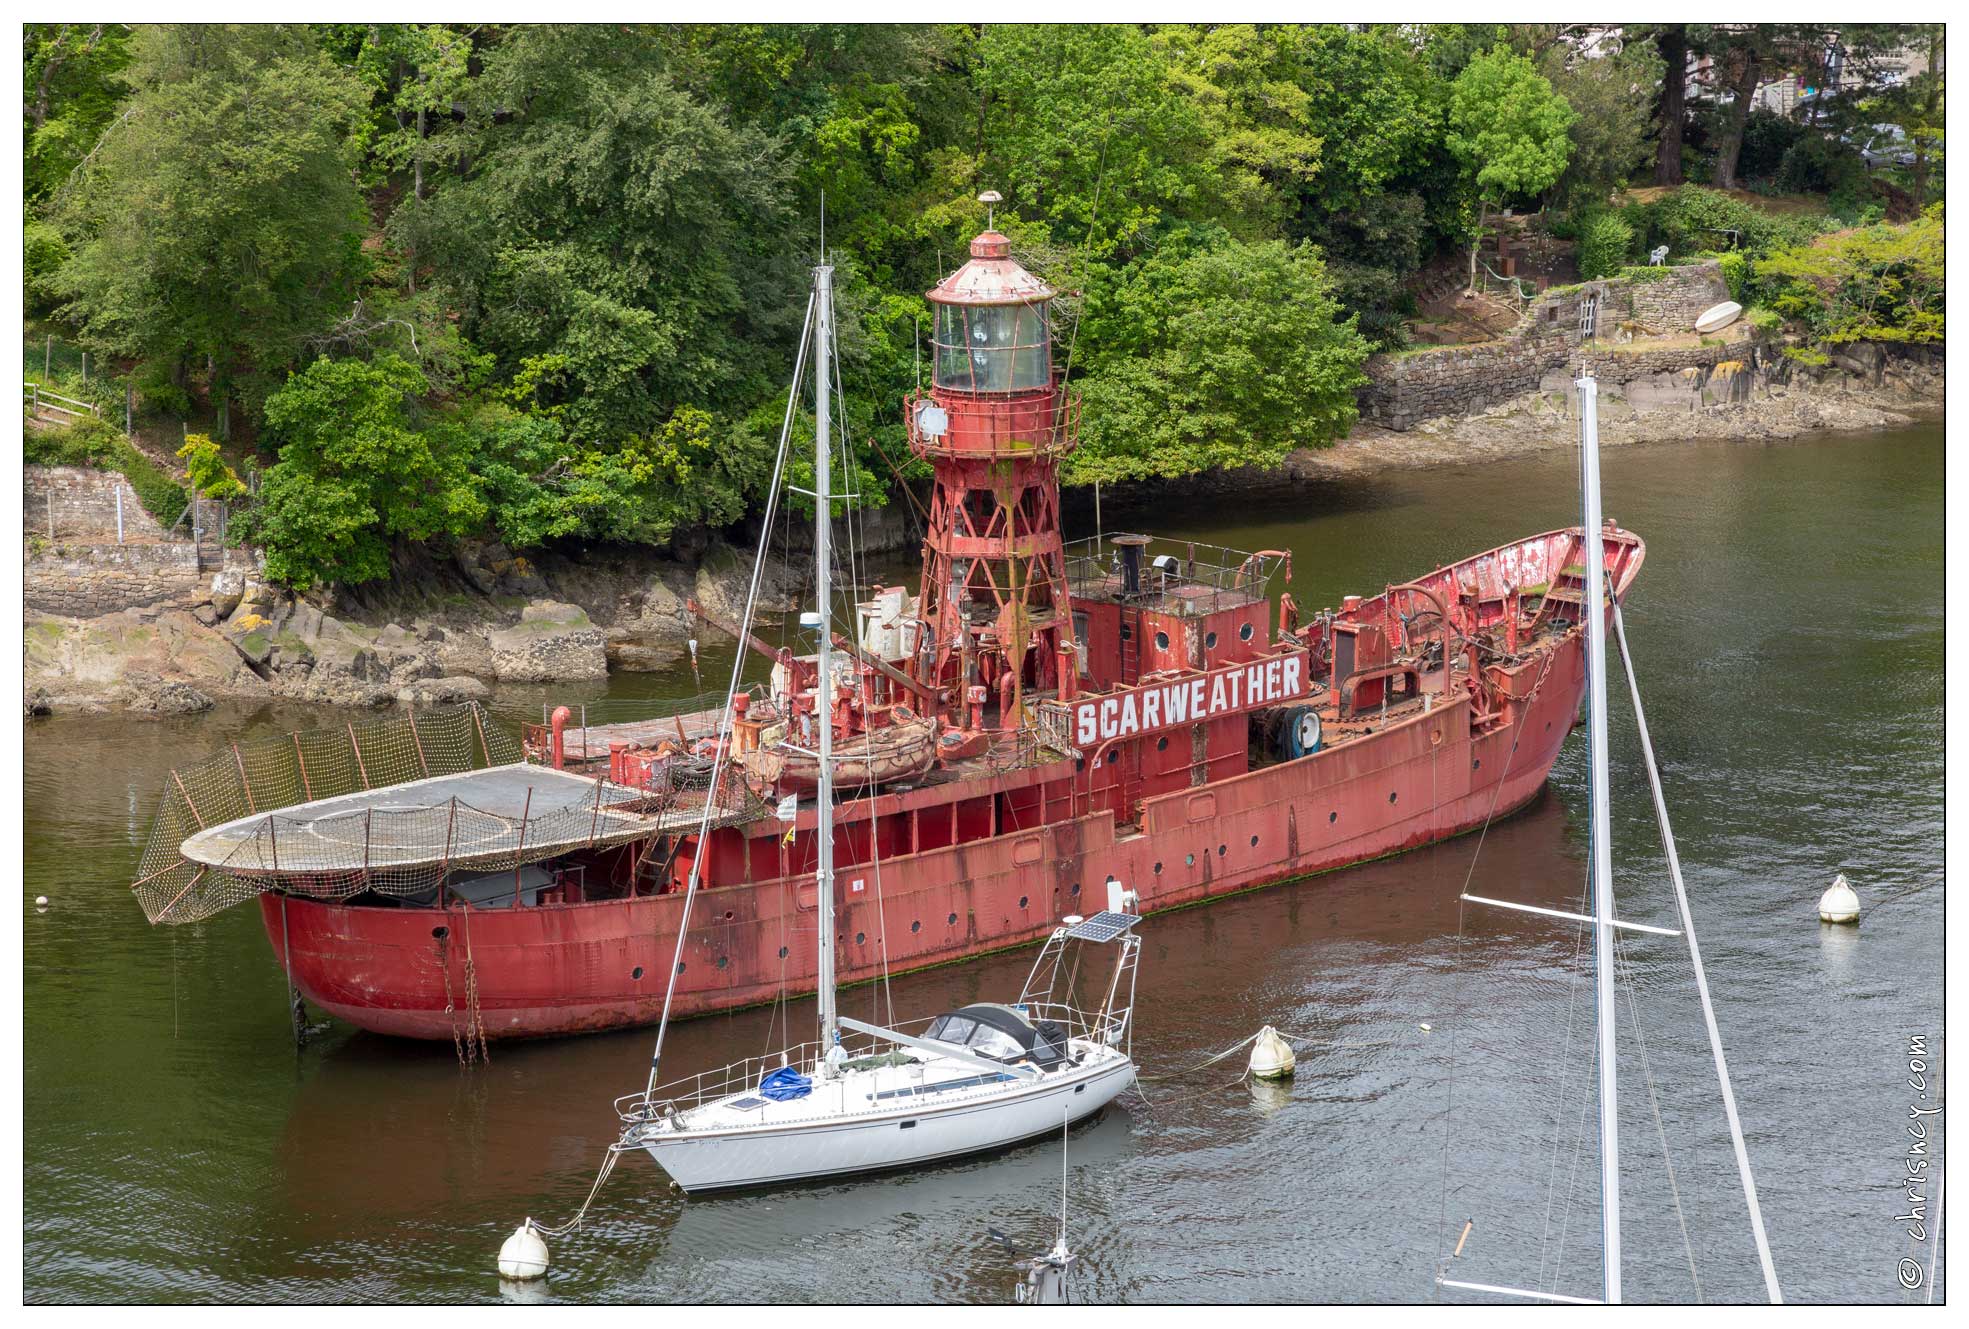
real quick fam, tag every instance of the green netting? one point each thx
(251, 819)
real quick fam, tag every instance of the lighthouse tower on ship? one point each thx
(994, 426)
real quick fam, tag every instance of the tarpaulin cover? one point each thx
(785, 1084)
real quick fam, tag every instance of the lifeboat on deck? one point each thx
(901, 751)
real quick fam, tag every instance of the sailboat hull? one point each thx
(909, 1136)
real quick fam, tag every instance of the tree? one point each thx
(1083, 129)
(356, 471)
(1509, 129)
(1214, 353)
(1672, 41)
(1917, 107)
(216, 220)
(619, 229)
(1612, 136)
(72, 74)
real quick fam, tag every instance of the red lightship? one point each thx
(1040, 715)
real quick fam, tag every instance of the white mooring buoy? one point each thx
(524, 1255)
(40, 902)
(1271, 1056)
(1839, 904)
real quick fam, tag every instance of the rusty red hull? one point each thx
(582, 967)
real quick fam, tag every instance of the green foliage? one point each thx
(1875, 283)
(72, 75)
(1767, 137)
(1085, 131)
(1808, 355)
(1214, 353)
(618, 229)
(1606, 242)
(209, 473)
(1819, 164)
(1764, 320)
(1613, 133)
(1735, 267)
(354, 472)
(1508, 127)
(1692, 219)
(217, 220)
(94, 442)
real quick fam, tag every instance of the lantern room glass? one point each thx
(993, 348)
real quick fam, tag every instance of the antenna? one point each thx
(989, 198)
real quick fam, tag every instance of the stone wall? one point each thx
(1674, 303)
(85, 581)
(1405, 389)
(83, 505)
(1620, 364)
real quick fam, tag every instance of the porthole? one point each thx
(1127, 633)
(440, 933)
(782, 952)
(1254, 842)
(722, 962)
(1162, 744)
(1158, 869)
(1024, 900)
(1209, 641)
(860, 937)
(1391, 795)
(953, 920)
(1162, 641)
(1244, 633)
(1074, 890)
(1114, 755)
(916, 926)
(680, 966)
(1080, 763)
(637, 972)
(1189, 860)
(730, 915)
(1476, 763)
(1223, 849)
(1332, 817)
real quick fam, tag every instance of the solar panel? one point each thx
(1104, 926)
(746, 1104)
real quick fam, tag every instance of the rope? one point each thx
(613, 1152)
(1624, 965)
(725, 720)
(1559, 1108)
(1695, 961)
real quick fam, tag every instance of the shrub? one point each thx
(1606, 242)
(1736, 273)
(1767, 137)
(1820, 164)
(209, 473)
(1764, 320)
(1692, 219)
(1875, 283)
(93, 442)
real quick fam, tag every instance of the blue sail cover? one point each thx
(785, 1084)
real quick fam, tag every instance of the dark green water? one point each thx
(1788, 629)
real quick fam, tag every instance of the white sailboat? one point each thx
(1597, 608)
(863, 1097)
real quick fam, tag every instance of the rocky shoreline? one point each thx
(451, 629)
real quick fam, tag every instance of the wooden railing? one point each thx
(40, 400)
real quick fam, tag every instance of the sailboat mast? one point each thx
(830, 1029)
(1596, 715)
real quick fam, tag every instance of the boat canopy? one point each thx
(1001, 1033)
